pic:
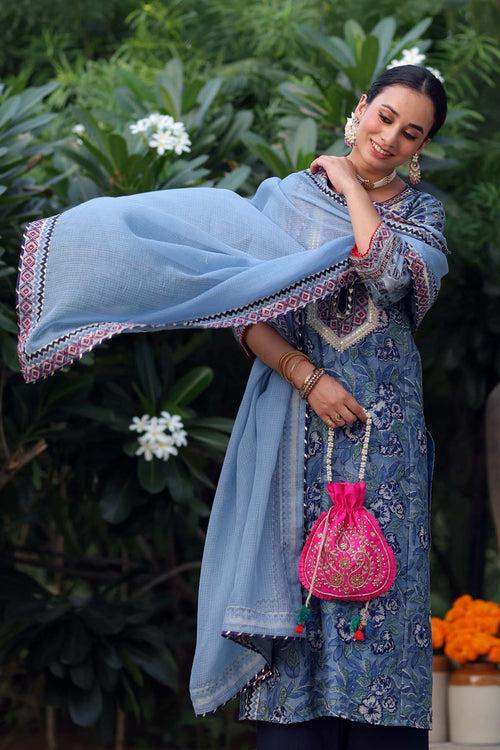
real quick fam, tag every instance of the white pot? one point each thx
(474, 704)
(440, 673)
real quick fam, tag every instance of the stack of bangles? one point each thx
(310, 380)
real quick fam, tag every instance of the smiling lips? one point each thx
(379, 150)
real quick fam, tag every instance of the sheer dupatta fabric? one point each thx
(207, 258)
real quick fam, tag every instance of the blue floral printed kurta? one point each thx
(369, 348)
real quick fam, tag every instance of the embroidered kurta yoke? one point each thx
(364, 339)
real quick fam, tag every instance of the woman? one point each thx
(342, 271)
(383, 691)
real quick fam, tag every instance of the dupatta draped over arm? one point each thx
(208, 258)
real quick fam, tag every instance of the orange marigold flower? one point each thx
(481, 642)
(463, 601)
(438, 632)
(461, 652)
(494, 653)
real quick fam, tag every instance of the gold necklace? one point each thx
(370, 185)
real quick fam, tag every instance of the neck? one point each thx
(364, 169)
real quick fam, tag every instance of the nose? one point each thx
(389, 137)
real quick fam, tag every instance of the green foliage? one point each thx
(261, 88)
(118, 162)
(94, 652)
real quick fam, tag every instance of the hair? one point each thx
(419, 79)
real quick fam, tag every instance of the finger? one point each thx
(355, 408)
(318, 163)
(346, 414)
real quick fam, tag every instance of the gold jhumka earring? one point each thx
(414, 170)
(350, 130)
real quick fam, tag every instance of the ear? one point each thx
(427, 140)
(361, 106)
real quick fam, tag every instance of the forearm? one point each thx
(364, 217)
(268, 345)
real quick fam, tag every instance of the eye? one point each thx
(406, 135)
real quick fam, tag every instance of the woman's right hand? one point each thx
(329, 398)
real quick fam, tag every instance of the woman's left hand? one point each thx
(340, 170)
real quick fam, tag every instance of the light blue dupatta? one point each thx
(207, 258)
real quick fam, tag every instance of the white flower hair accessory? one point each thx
(413, 56)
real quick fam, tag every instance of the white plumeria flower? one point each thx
(162, 141)
(183, 144)
(154, 430)
(144, 449)
(155, 442)
(411, 56)
(436, 73)
(179, 437)
(141, 126)
(164, 448)
(163, 133)
(140, 424)
(172, 421)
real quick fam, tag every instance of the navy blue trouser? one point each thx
(334, 733)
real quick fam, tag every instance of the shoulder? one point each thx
(419, 215)
(426, 209)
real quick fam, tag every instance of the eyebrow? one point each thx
(410, 124)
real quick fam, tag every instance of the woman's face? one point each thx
(393, 126)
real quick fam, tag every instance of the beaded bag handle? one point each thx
(358, 621)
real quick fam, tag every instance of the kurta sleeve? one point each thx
(393, 268)
(283, 324)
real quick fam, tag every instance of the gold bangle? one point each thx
(298, 357)
(310, 381)
(310, 385)
(292, 368)
(285, 358)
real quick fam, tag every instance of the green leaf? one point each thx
(157, 663)
(268, 155)
(117, 500)
(233, 180)
(206, 97)
(8, 352)
(384, 31)
(45, 649)
(118, 151)
(77, 643)
(224, 424)
(85, 706)
(354, 36)
(178, 482)
(129, 689)
(102, 618)
(146, 370)
(83, 675)
(7, 324)
(15, 585)
(412, 36)
(213, 439)
(335, 48)
(190, 385)
(107, 676)
(153, 475)
(305, 140)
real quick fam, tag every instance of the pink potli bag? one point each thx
(346, 555)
